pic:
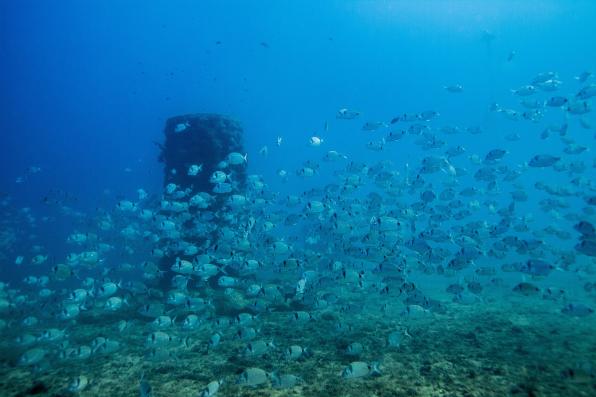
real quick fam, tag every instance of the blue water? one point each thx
(86, 88)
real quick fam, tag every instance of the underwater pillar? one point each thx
(198, 139)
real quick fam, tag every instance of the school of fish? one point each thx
(252, 273)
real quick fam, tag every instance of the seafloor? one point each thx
(522, 348)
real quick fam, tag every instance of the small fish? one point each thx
(543, 160)
(585, 124)
(583, 76)
(315, 141)
(544, 76)
(577, 310)
(152, 309)
(455, 151)
(513, 137)
(526, 289)
(579, 107)
(126, 205)
(253, 377)
(495, 155)
(181, 127)
(333, 155)
(144, 387)
(373, 125)
(236, 158)
(163, 322)
(296, 352)
(557, 101)
(376, 146)
(359, 369)
(407, 118)
(214, 340)
(553, 294)
(428, 115)
(585, 228)
(222, 188)
(532, 103)
(194, 169)
(78, 384)
(587, 92)
(306, 172)
(258, 348)
(549, 85)
(454, 89)
(537, 267)
(32, 356)
(394, 136)
(354, 349)
(395, 338)
(123, 325)
(524, 90)
(587, 247)
(211, 389)
(347, 114)
(286, 381)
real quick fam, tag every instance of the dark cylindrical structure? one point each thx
(196, 139)
(201, 140)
